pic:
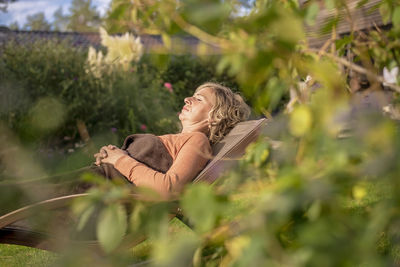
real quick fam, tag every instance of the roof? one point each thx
(363, 18)
(151, 43)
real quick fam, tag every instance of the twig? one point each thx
(324, 47)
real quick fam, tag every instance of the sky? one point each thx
(19, 10)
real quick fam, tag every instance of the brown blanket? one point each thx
(145, 148)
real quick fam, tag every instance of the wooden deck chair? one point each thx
(225, 154)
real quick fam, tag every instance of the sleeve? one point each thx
(190, 160)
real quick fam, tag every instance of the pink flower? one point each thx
(168, 86)
(143, 127)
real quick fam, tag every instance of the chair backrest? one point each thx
(230, 149)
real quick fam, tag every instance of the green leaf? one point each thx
(85, 217)
(136, 217)
(118, 11)
(329, 25)
(300, 121)
(329, 4)
(208, 16)
(312, 12)
(166, 40)
(201, 206)
(111, 227)
(344, 41)
(384, 9)
(178, 251)
(257, 153)
(396, 17)
(208, 11)
(315, 210)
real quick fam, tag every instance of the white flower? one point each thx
(390, 77)
(121, 51)
(95, 62)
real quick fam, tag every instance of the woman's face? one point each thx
(198, 106)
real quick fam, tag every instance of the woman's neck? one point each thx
(196, 127)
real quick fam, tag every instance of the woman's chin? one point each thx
(182, 116)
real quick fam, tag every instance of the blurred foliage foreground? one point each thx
(320, 187)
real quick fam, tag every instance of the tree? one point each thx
(14, 26)
(123, 16)
(119, 17)
(84, 17)
(4, 4)
(126, 16)
(60, 21)
(37, 22)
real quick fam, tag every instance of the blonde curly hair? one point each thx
(229, 110)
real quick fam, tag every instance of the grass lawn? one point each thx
(12, 255)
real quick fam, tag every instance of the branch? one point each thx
(190, 28)
(357, 68)
(200, 34)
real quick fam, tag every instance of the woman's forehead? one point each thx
(208, 93)
(204, 90)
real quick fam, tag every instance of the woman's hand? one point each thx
(99, 156)
(109, 154)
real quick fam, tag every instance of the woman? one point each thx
(206, 118)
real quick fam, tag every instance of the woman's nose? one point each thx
(187, 100)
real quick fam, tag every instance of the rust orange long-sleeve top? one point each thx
(190, 153)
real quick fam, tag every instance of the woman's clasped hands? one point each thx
(109, 154)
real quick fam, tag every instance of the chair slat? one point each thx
(231, 148)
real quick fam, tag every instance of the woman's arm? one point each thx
(191, 158)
